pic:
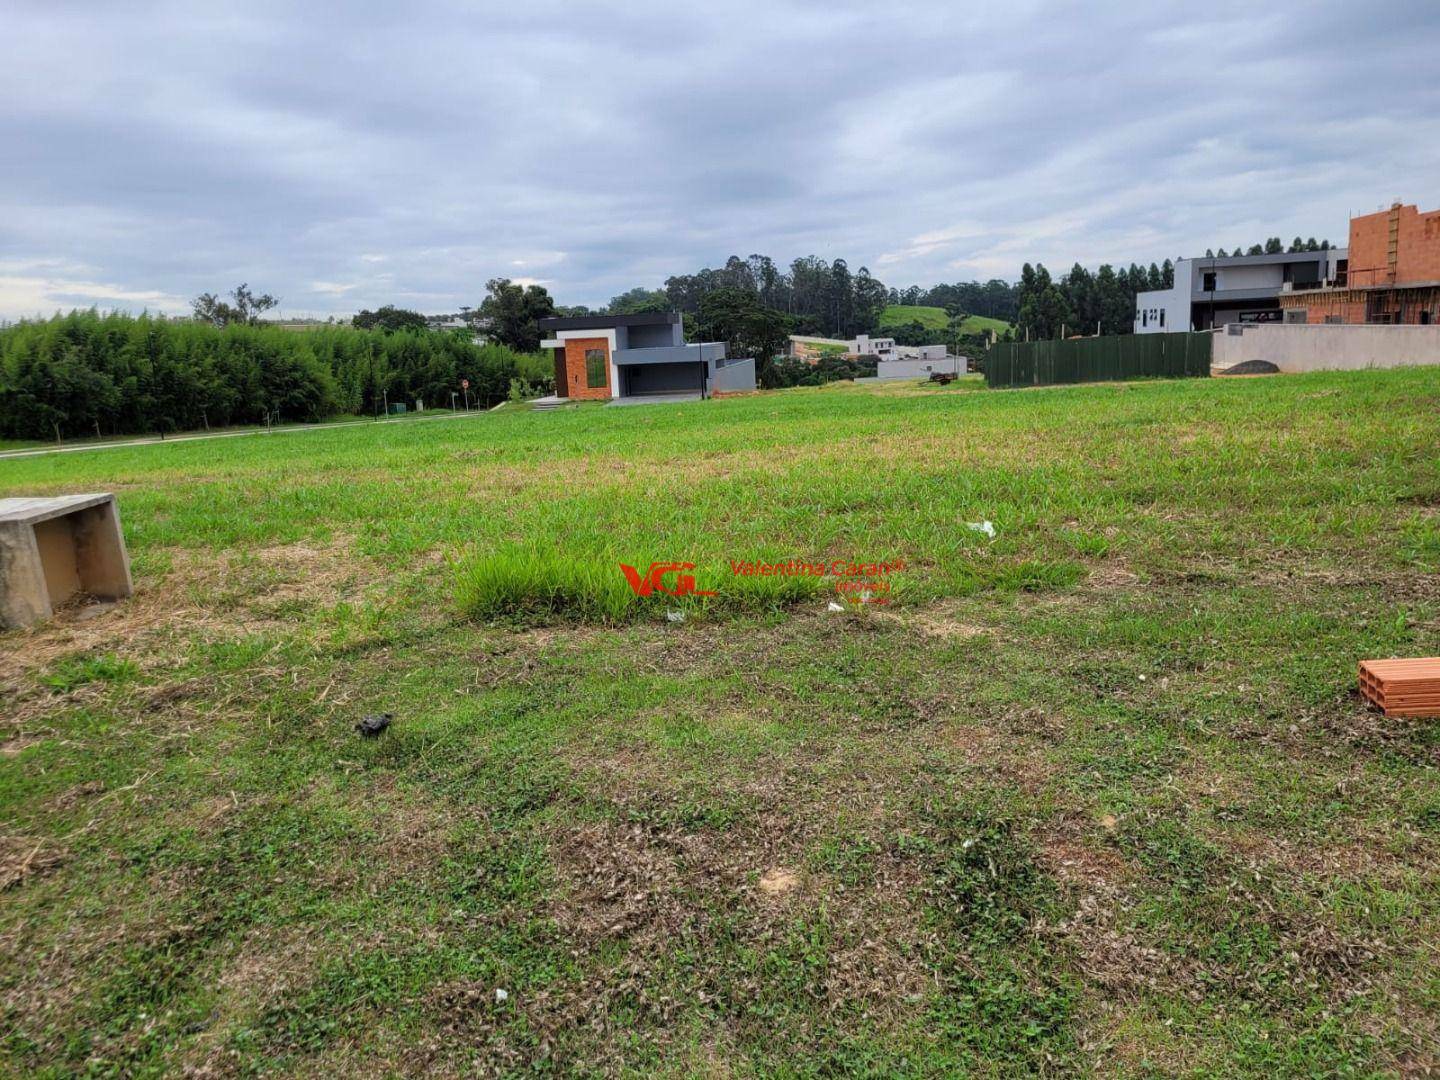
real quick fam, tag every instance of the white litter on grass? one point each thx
(501, 995)
(675, 616)
(833, 606)
(986, 527)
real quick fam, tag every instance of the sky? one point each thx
(344, 156)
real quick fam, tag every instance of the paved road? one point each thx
(286, 430)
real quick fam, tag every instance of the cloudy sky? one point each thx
(349, 155)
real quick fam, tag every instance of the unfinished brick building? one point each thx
(1393, 275)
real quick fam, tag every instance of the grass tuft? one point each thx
(530, 585)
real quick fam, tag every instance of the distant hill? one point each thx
(934, 318)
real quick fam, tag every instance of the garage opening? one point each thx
(640, 380)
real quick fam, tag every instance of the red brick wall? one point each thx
(1401, 305)
(1346, 303)
(573, 382)
(1417, 247)
(1369, 239)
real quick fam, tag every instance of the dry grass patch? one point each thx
(943, 620)
(26, 857)
(200, 591)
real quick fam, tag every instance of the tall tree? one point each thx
(1045, 312)
(639, 301)
(390, 319)
(246, 308)
(749, 328)
(514, 313)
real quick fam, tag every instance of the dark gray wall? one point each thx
(653, 337)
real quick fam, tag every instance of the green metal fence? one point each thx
(1097, 359)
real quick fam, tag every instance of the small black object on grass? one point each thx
(374, 724)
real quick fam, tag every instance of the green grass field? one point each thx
(1095, 795)
(934, 318)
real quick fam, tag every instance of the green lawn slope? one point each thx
(934, 318)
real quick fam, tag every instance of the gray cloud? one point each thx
(345, 155)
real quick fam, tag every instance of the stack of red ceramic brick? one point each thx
(1402, 687)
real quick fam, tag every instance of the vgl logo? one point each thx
(654, 579)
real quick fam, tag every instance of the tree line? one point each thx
(817, 296)
(1274, 246)
(88, 373)
(1082, 302)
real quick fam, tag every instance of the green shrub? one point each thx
(85, 373)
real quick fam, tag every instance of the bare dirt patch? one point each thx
(26, 857)
(658, 889)
(778, 882)
(936, 620)
(1112, 577)
(17, 745)
(78, 795)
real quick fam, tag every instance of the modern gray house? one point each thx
(615, 357)
(1240, 288)
(920, 362)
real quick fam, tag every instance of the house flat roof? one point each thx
(1211, 262)
(607, 322)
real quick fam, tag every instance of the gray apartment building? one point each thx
(1240, 288)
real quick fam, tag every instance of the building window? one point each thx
(1162, 318)
(1207, 281)
(1424, 318)
(1145, 317)
(595, 369)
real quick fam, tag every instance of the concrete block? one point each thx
(53, 549)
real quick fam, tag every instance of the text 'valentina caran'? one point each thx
(801, 568)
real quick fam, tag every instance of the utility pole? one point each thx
(385, 396)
